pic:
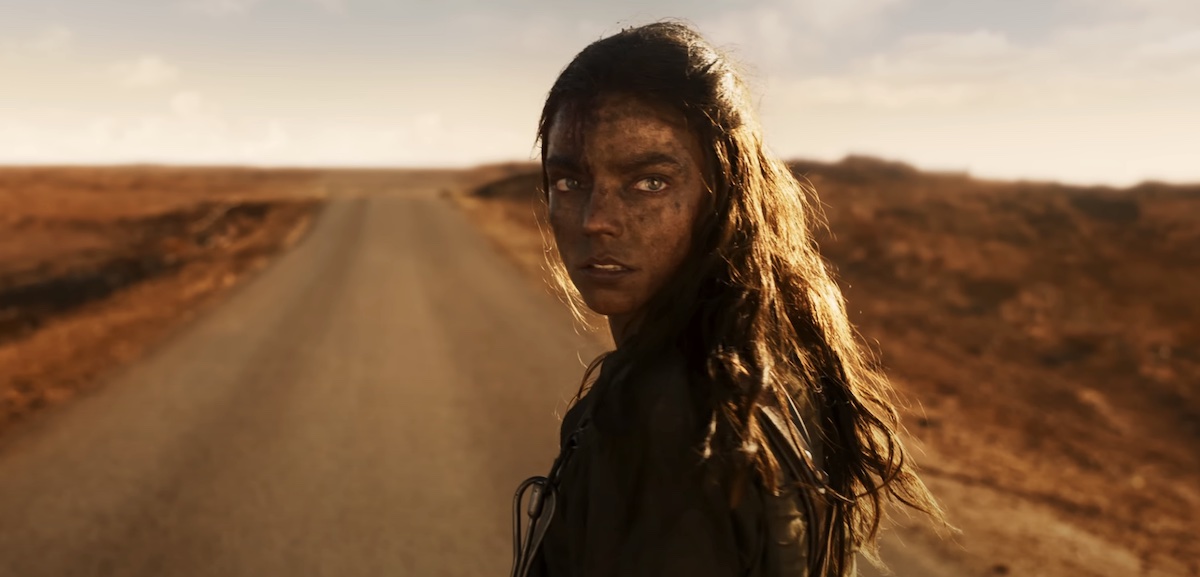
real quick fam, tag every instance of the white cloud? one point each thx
(192, 129)
(978, 53)
(1080, 66)
(536, 34)
(55, 40)
(827, 90)
(1182, 45)
(145, 71)
(1109, 96)
(276, 138)
(337, 6)
(777, 33)
(1125, 9)
(52, 40)
(221, 7)
(428, 122)
(798, 18)
(190, 104)
(923, 71)
(226, 7)
(762, 35)
(1108, 102)
(835, 17)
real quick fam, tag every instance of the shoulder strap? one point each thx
(544, 498)
(792, 447)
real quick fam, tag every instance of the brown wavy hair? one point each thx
(754, 307)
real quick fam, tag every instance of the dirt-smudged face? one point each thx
(624, 197)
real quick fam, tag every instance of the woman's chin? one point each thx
(608, 307)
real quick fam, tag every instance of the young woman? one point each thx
(738, 428)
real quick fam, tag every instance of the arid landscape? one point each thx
(1046, 338)
(99, 264)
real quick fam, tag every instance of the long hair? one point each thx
(754, 307)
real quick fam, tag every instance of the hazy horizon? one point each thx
(1077, 91)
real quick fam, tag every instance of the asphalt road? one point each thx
(365, 406)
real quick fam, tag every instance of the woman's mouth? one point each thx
(606, 269)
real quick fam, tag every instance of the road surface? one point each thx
(365, 406)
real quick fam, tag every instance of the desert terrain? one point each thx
(362, 404)
(98, 264)
(1045, 339)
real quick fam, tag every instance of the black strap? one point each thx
(791, 445)
(543, 501)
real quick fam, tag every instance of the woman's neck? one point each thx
(622, 327)
(618, 325)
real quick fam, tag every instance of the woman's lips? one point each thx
(605, 269)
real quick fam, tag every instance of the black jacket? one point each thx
(636, 498)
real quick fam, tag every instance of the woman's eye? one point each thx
(652, 184)
(566, 184)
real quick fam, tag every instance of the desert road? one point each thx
(364, 406)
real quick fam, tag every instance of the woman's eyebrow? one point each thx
(562, 163)
(641, 161)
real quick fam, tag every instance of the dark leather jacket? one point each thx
(636, 498)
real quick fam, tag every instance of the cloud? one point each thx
(221, 7)
(921, 71)
(145, 71)
(1125, 9)
(1098, 64)
(275, 138)
(799, 17)
(827, 90)
(337, 6)
(188, 127)
(537, 35)
(777, 34)
(977, 53)
(1106, 99)
(837, 17)
(1182, 45)
(761, 34)
(190, 104)
(54, 40)
(227, 7)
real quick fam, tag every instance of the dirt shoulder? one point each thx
(1046, 341)
(97, 265)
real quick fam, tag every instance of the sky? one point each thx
(1079, 91)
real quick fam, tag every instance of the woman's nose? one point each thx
(602, 213)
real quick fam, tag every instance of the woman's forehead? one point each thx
(616, 127)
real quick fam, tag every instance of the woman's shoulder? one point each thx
(644, 409)
(574, 416)
(663, 401)
(668, 388)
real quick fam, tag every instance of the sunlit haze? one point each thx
(1083, 91)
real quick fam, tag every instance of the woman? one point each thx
(738, 428)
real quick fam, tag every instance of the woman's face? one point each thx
(624, 197)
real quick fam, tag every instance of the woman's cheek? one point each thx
(556, 215)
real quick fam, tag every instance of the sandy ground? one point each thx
(99, 264)
(1045, 338)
